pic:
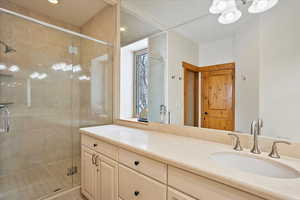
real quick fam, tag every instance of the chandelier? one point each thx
(229, 12)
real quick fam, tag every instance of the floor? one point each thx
(74, 195)
(35, 183)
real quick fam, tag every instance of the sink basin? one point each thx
(255, 165)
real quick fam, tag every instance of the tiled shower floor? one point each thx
(35, 183)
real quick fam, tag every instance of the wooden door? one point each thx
(218, 99)
(108, 186)
(88, 173)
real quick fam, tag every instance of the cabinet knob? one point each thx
(95, 145)
(136, 193)
(136, 163)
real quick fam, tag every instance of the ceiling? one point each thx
(75, 12)
(136, 28)
(191, 18)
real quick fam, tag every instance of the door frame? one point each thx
(189, 68)
(193, 68)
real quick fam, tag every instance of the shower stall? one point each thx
(52, 82)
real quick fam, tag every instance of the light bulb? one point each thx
(259, 6)
(221, 5)
(218, 6)
(230, 16)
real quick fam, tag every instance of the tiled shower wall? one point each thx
(44, 129)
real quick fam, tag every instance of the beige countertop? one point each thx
(194, 155)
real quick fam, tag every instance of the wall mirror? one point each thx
(217, 64)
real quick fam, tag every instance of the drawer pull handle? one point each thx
(136, 193)
(136, 163)
(95, 145)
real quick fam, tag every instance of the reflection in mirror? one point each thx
(216, 64)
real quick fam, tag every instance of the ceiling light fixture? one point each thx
(229, 12)
(230, 16)
(259, 6)
(53, 1)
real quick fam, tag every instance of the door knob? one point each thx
(206, 113)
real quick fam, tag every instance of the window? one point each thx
(141, 70)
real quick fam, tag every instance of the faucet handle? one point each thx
(237, 145)
(274, 152)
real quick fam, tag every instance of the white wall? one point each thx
(267, 56)
(243, 49)
(157, 75)
(280, 70)
(216, 52)
(179, 49)
(246, 48)
(127, 77)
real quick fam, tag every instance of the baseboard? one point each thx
(61, 193)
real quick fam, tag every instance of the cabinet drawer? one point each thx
(203, 188)
(99, 146)
(175, 195)
(144, 165)
(133, 185)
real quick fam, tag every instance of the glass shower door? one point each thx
(35, 95)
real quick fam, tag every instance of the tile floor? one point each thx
(32, 184)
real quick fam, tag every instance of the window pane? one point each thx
(141, 82)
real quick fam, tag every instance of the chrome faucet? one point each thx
(256, 126)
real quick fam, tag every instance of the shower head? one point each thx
(7, 49)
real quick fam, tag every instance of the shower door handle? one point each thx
(5, 119)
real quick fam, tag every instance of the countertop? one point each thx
(194, 155)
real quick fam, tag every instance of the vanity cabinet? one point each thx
(88, 173)
(99, 176)
(113, 173)
(135, 185)
(176, 195)
(149, 167)
(203, 188)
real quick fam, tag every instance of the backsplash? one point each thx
(217, 136)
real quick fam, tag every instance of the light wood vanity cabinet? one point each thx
(88, 173)
(99, 176)
(203, 188)
(149, 167)
(176, 195)
(134, 185)
(112, 173)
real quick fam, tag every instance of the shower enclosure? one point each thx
(52, 81)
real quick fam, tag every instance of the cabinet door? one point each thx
(108, 186)
(88, 173)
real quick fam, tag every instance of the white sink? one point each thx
(255, 165)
